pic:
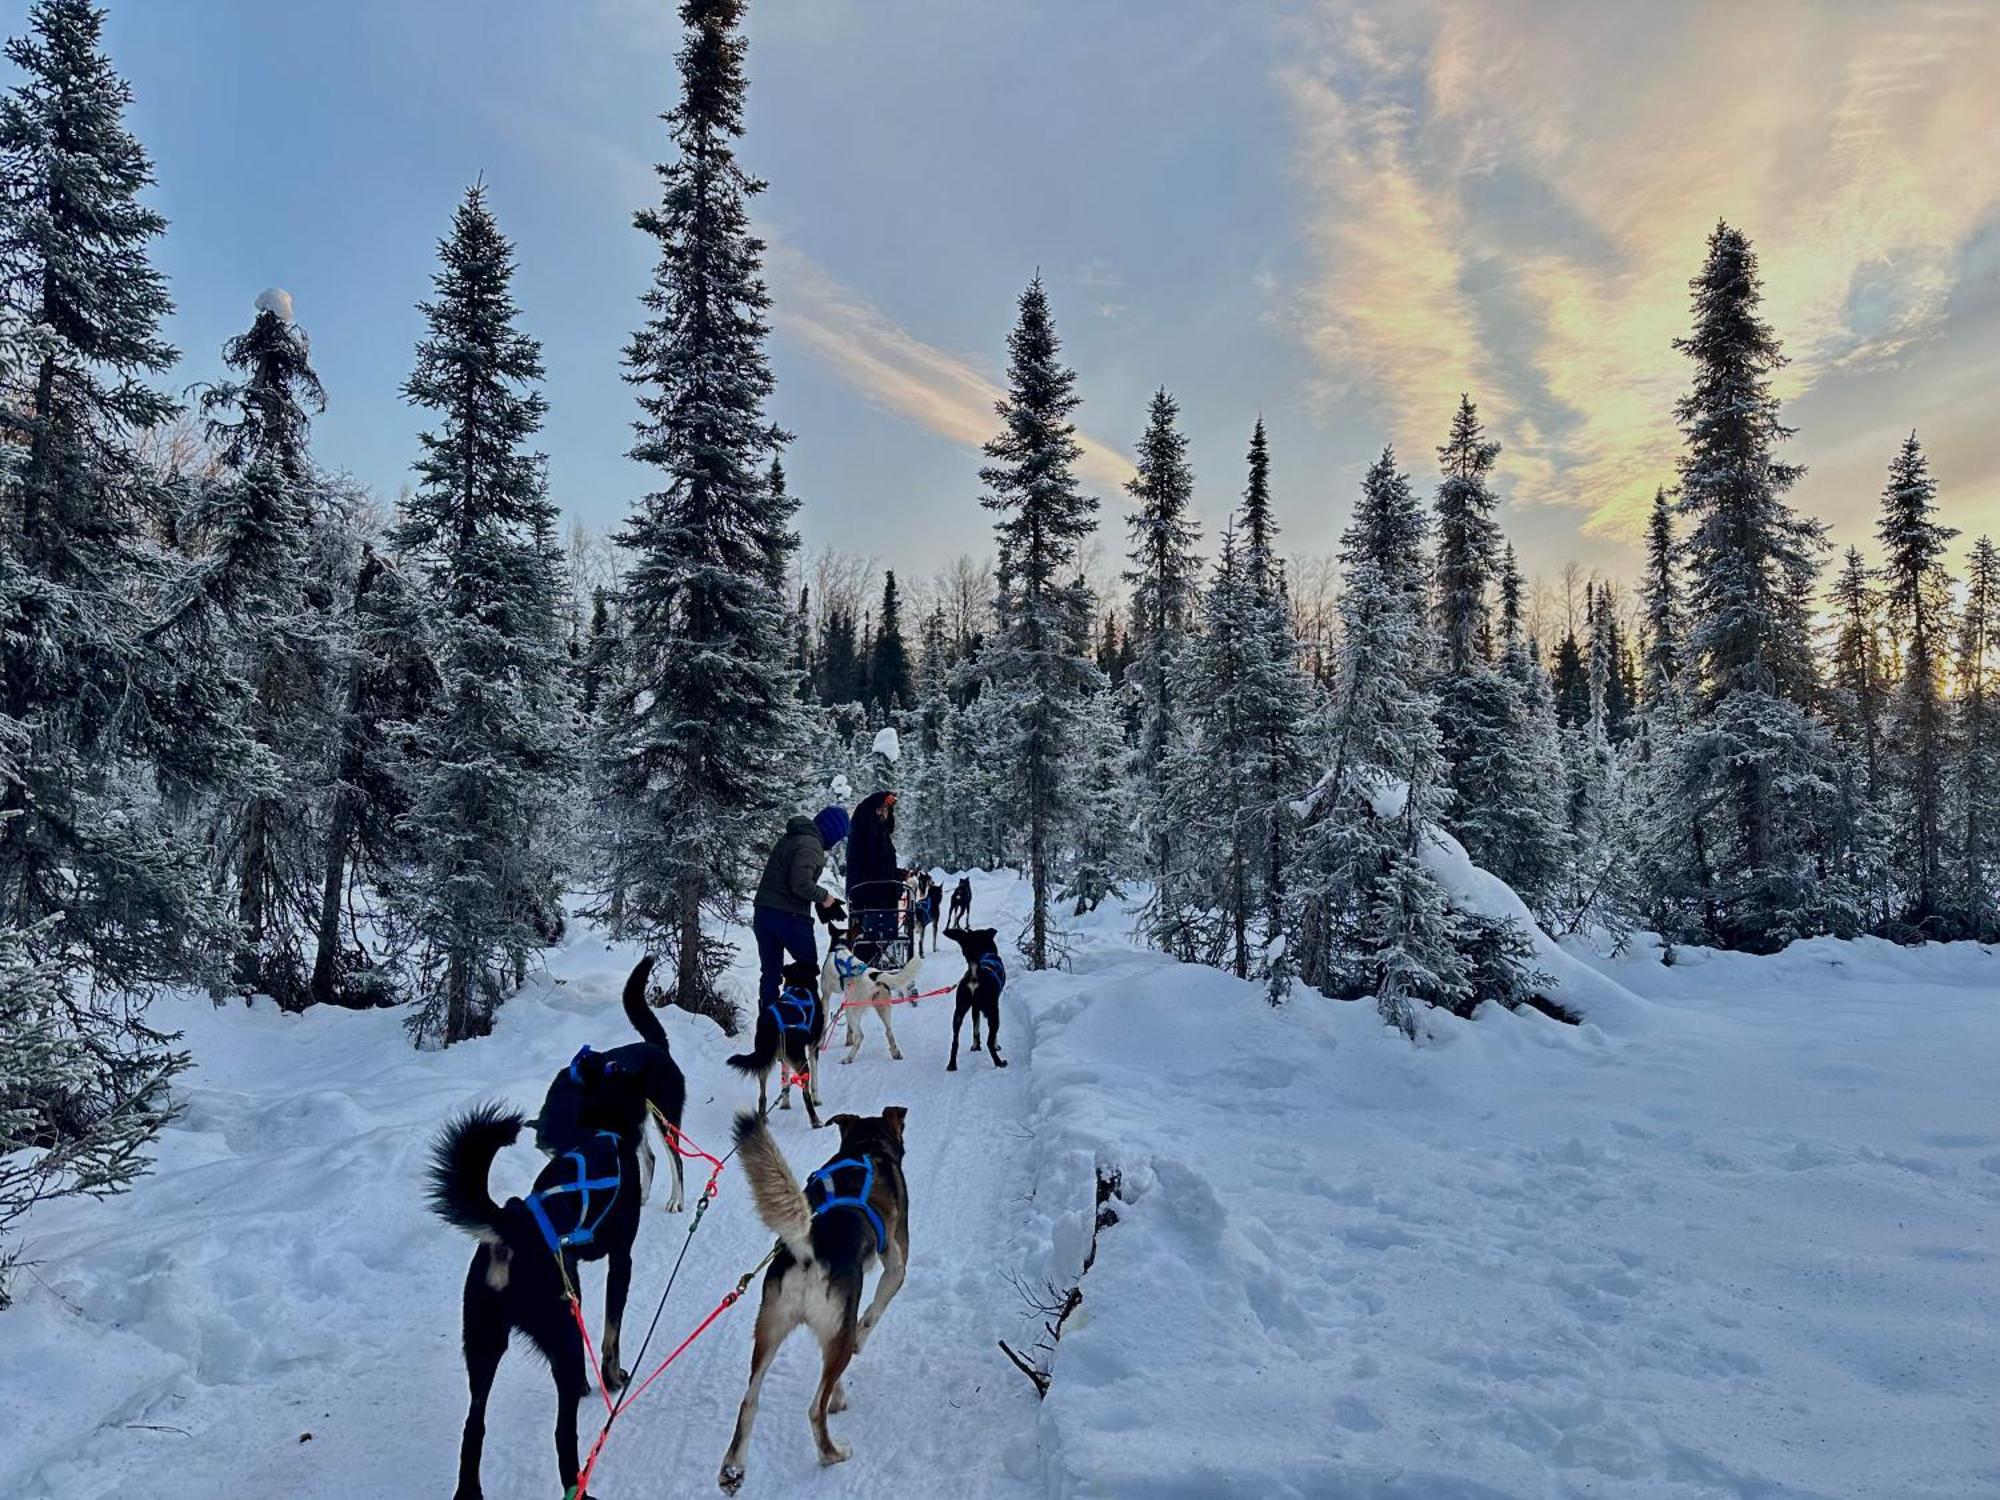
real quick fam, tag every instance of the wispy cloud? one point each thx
(1510, 197)
(890, 368)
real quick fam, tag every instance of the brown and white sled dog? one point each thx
(862, 989)
(851, 1213)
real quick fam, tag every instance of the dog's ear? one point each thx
(895, 1114)
(842, 1122)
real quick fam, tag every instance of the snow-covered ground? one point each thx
(1735, 1237)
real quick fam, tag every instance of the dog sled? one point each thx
(885, 924)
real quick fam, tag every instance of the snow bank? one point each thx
(1744, 1250)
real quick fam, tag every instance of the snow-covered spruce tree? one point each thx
(489, 764)
(1659, 594)
(1522, 825)
(1603, 796)
(889, 658)
(1235, 762)
(265, 573)
(1916, 593)
(1366, 916)
(101, 729)
(1105, 851)
(1856, 692)
(1164, 579)
(1037, 676)
(1976, 851)
(1496, 809)
(1756, 762)
(702, 735)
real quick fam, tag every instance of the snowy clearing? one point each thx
(1740, 1249)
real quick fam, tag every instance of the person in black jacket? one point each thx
(781, 915)
(874, 879)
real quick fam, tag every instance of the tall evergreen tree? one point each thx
(1660, 594)
(1038, 674)
(1917, 595)
(1255, 526)
(1367, 917)
(889, 658)
(1757, 755)
(1165, 589)
(100, 894)
(705, 723)
(1468, 540)
(1857, 692)
(488, 764)
(1977, 841)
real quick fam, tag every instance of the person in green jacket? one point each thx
(781, 915)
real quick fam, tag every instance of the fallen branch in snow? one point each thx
(1055, 1303)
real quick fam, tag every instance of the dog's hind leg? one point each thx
(617, 1284)
(485, 1343)
(853, 1013)
(772, 1327)
(566, 1364)
(957, 1018)
(836, 1355)
(809, 1090)
(993, 1037)
(889, 1030)
(977, 1011)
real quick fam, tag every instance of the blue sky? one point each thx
(1334, 214)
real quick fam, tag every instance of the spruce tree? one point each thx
(487, 766)
(1977, 674)
(1660, 594)
(1917, 596)
(889, 658)
(102, 729)
(1468, 540)
(1039, 676)
(271, 570)
(704, 732)
(1366, 916)
(1857, 693)
(1758, 762)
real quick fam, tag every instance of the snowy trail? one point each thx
(278, 1275)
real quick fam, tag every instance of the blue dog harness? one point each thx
(586, 1223)
(822, 1184)
(846, 967)
(990, 962)
(796, 1010)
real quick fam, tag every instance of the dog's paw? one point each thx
(835, 1452)
(616, 1378)
(951, 1067)
(730, 1479)
(975, 1044)
(999, 1061)
(895, 1057)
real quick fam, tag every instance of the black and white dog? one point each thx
(620, 1090)
(979, 991)
(961, 903)
(584, 1207)
(853, 1212)
(925, 896)
(788, 1034)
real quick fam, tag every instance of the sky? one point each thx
(1335, 214)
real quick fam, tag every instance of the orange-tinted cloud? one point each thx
(1510, 197)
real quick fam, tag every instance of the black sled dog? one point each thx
(788, 1035)
(620, 1090)
(851, 1213)
(979, 990)
(961, 903)
(584, 1207)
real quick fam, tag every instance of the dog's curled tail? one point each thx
(462, 1159)
(757, 1061)
(780, 1202)
(637, 1011)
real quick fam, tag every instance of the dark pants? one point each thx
(779, 933)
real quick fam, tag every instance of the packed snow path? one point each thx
(279, 1276)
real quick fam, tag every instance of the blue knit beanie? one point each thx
(832, 825)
